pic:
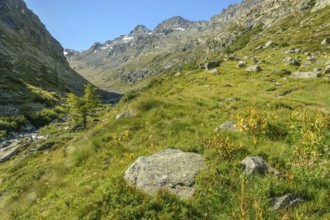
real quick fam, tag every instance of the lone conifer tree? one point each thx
(81, 107)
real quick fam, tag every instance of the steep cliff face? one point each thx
(33, 66)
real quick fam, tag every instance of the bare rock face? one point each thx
(170, 169)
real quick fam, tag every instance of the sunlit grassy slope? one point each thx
(286, 121)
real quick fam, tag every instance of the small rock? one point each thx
(297, 50)
(214, 71)
(241, 64)
(228, 126)
(212, 65)
(254, 68)
(259, 47)
(46, 146)
(326, 41)
(327, 69)
(292, 50)
(286, 201)
(256, 165)
(305, 75)
(291, 61)
(170, 169)
(232, 57)
(177, 74)
(312, 58)
(269, 44)
(124, 114)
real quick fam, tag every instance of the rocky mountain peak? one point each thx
(177, 23)
(139, 30)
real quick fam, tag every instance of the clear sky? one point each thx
(77, 24)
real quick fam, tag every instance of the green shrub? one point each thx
(128, 97)
(147, 105)
(42, 118)
(11, 123)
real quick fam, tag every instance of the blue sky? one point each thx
(77, 24)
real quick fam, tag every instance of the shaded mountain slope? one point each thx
(34, 72)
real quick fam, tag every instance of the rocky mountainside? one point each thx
(112, 62)
(116, 64)
(231, 121)
(34, 72)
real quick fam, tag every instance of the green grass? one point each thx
(81, 177)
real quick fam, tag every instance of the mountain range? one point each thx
(220, 119)
(117, 64)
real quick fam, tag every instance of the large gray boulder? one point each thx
(256, 165)
(170, 169)
(286, 201)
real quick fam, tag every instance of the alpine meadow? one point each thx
(220, 119)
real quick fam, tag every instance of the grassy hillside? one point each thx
(283, 120)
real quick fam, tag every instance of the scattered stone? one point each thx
(286, 201)
(228, 126)
(232, 57)
(46, 146)
(269, 44)
(291, 61)
(170, 169)
(254, 68)
(317, 69)
(327, 63)
(124, 114)
(327, 69)
(259, 47)
(293, 50)
(312, 58)
(241, 64)
(214, 71)
(256, 165)
(256, 60)
(177, 74)
(212, 65)
(326, 41)
(305, 75)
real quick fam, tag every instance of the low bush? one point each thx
(42, 118)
